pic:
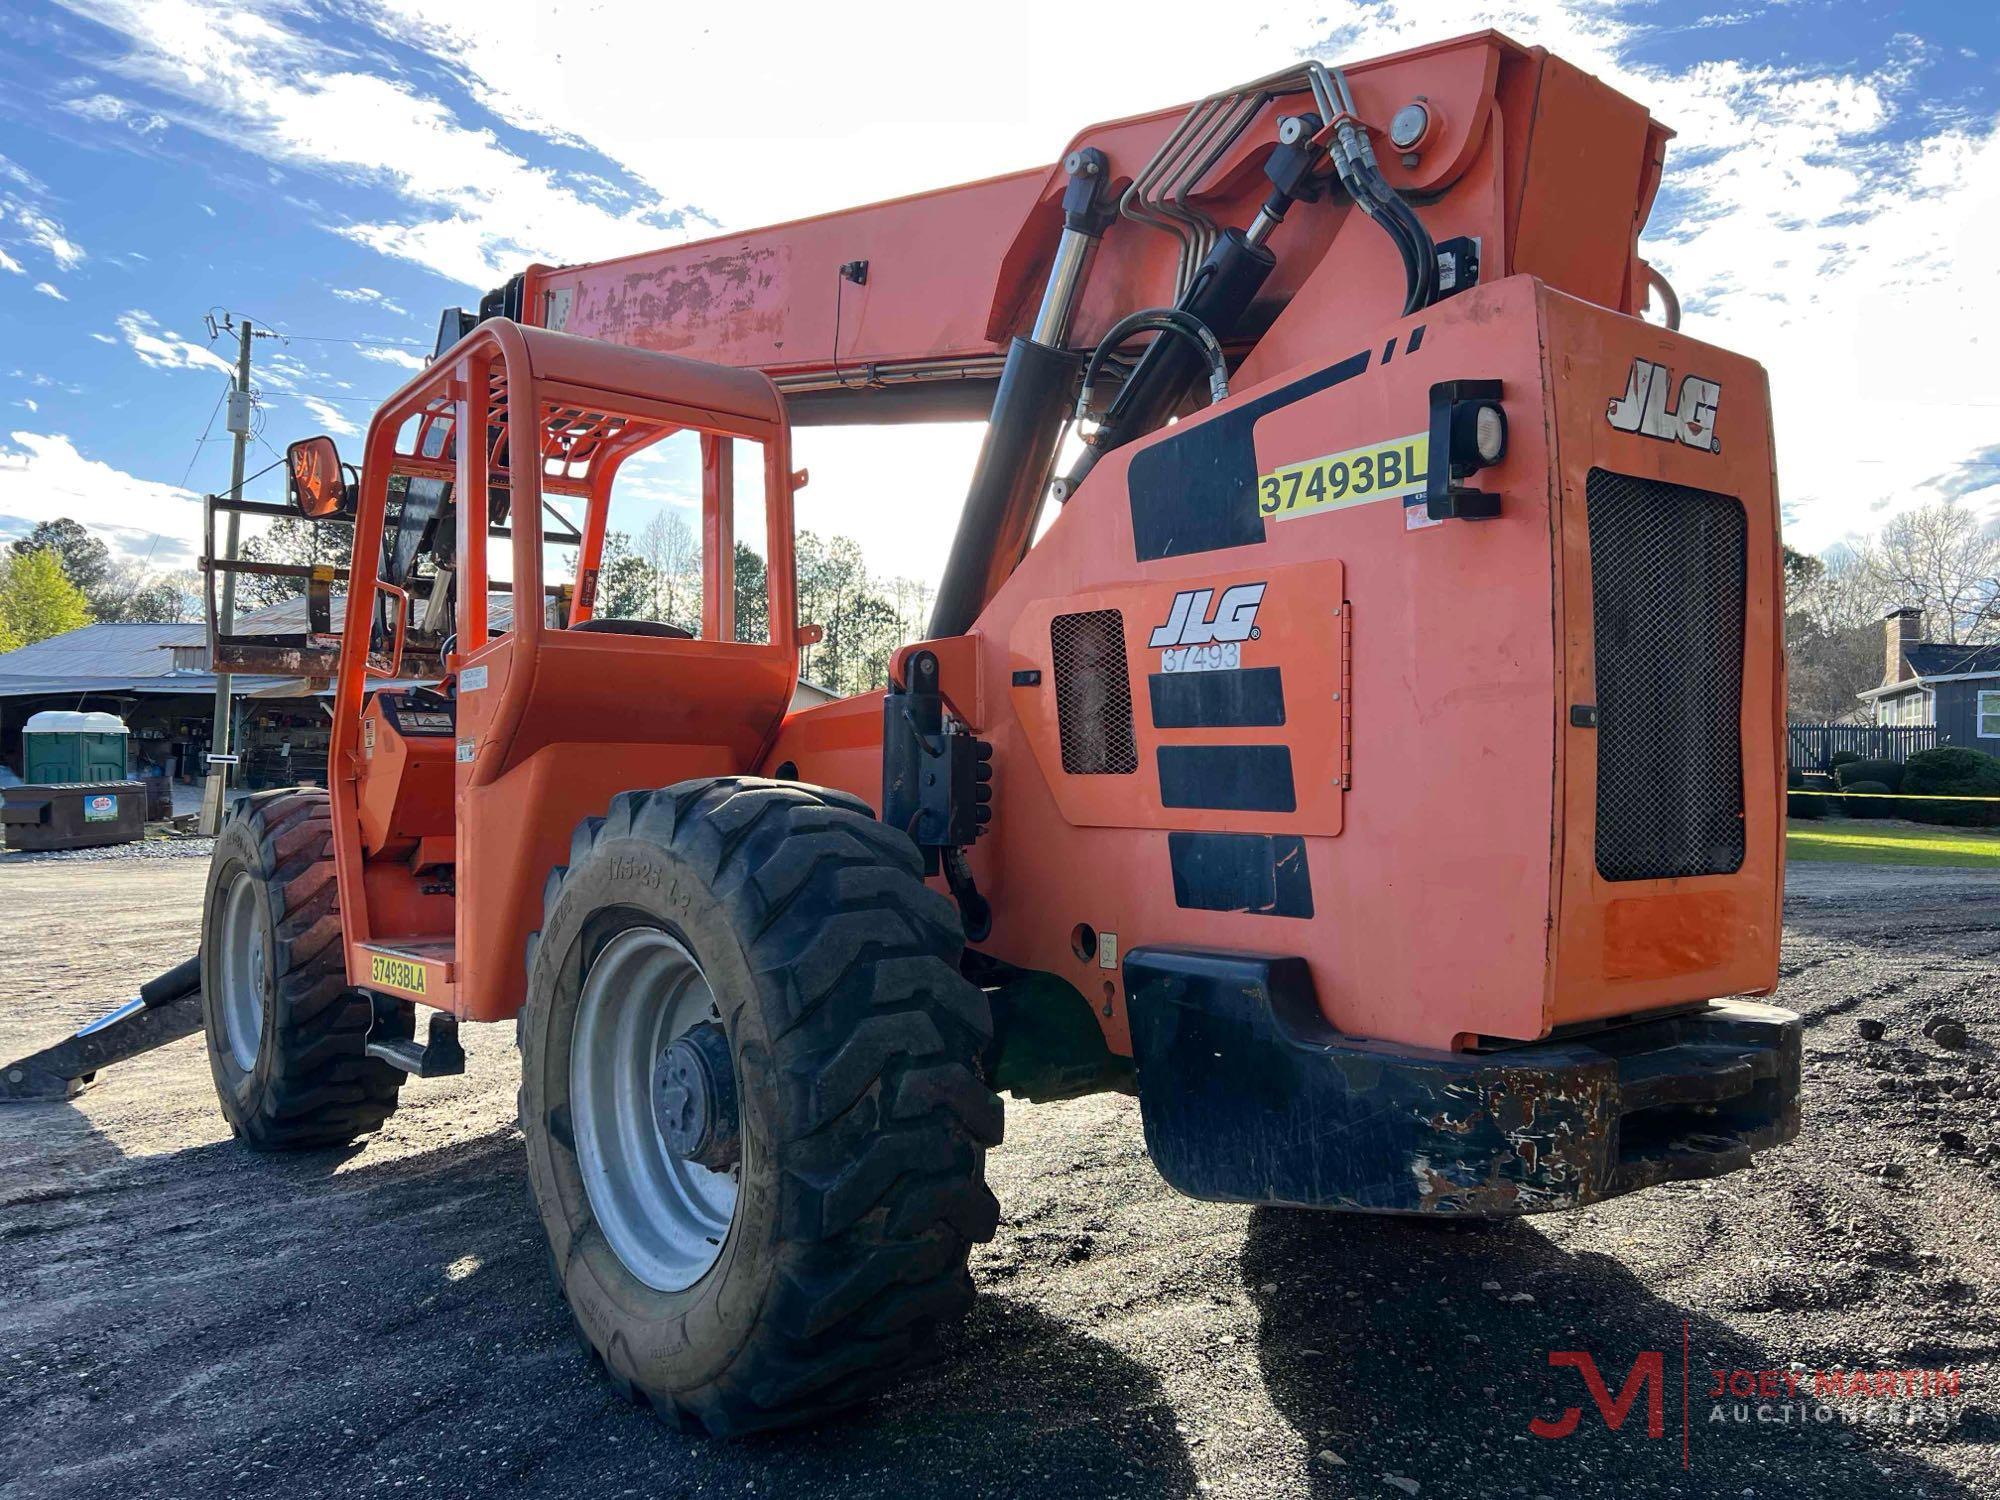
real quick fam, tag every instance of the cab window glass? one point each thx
(651, 568)
(753, 544)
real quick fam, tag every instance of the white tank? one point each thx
(68, 721)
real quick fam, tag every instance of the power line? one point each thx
(327, 338)
(227, 386)
(269, 329)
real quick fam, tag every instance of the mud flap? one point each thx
(1248, 1096)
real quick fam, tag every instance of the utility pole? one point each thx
(214, 790)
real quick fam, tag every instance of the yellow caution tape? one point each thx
(1899, 796)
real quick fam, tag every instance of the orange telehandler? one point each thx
(1366, 749)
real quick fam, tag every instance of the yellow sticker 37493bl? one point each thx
(396, 974)
(1375, 471)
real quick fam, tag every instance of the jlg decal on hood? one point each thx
(1643, 407)
(1194, 641)
(1190, 624)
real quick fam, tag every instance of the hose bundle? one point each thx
(1354, 160)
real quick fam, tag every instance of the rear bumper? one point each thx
(1249, 1097)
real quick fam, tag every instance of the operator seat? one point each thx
(633, 627)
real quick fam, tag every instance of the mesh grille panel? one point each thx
(1093, 694)
(1667, 578)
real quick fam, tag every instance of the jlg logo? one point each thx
(1643, 407)
(1188, 624)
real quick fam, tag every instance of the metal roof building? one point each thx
(113, 658)
(103, 658)
(151, 676)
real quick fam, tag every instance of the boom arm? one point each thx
(913, 309)
(1552, 171)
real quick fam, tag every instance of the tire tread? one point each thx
(883, 1118)
(323, 1089)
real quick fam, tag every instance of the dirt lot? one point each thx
(178, 1317)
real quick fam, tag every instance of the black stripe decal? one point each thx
(1260, 873)
(1250, 697)
(1196, 490)
(1229, 778)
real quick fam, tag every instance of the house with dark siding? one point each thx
(1957, 688)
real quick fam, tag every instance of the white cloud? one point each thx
(15, 173)
(8, 263)
(477, 210)
(404, 358)
(48, 289)
(1849, 257)
(279, 370)
(42, 381)
(368, 295)
(1830, 223)
(101, 107)
(1827, 228)
(43, 476)
(108, 109)
(41, 231)
(30, 402)
(103, 338)
(162, 349)
(839, 145)
(330, 417)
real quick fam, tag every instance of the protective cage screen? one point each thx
(1093, 694)
(1667, 570)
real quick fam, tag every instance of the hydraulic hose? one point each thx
(1217, 300)
(1162, 320)
(1354, 159)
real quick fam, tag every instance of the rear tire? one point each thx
(863, 1121)
(286, 1036)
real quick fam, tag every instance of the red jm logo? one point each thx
(1648, 1373)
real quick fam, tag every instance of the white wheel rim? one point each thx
(246, 979)
(665, 1218)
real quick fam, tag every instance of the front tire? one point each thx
(286, 1037)
(816, 1258)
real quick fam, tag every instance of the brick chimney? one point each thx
(1901, 629)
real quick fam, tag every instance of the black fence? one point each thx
(1814, 745)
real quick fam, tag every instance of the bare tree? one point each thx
(133, 594)
(1946, 560)
(912, 599)
(1833, 632)
(673, 559)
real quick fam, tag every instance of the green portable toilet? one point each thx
(59, 746)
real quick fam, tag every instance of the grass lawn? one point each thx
(1887, 841)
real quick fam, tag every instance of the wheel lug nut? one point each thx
(694, 1098)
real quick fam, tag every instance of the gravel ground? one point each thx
(178, 1317)
(155, 846)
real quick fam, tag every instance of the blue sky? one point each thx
(341, 172)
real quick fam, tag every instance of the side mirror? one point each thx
(317, 480)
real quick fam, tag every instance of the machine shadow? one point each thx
(423, 1281)
(1017, 1393)
(38, 1134)
(1366, 1321)
(1022, 1404)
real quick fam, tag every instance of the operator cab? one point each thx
(535, 639)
